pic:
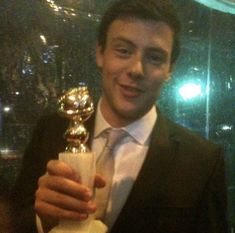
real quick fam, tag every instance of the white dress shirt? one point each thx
(129, 157)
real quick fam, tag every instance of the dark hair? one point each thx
(157, 10)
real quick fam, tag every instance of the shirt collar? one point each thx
(140, 129)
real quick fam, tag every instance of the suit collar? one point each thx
(161, 154)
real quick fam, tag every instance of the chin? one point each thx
(130, 114)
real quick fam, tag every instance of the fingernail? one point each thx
(83, 216)
(91, 207)
(88, 195)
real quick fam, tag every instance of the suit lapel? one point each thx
(159, 160)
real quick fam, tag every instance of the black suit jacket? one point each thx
(180, 188)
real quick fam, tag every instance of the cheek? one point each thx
(154, 86)
(113, 65)
(157, 81)
(108, 70)
(159, 77)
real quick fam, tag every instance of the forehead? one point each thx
(141, 32)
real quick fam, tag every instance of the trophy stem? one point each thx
(76, 136)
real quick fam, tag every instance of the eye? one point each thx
(155, 58)
(123, 52)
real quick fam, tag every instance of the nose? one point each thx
(137, 68)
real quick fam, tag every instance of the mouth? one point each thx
(131, 91)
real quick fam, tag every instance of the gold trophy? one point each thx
(76, 105)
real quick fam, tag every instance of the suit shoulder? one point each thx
(51, 120)
(53, 117)
(190, 138)
(50, 125)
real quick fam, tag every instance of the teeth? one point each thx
(132, 88)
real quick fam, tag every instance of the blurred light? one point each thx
(43, 38)
(208, 89)
(28, 70)
(48, 55)
(6, 109)
(4, 150)
(17, 92)
(7, 153)
(53, 5)
(227, 6)
(190, 91)
(27, 66)
(61, 10)
(227, 127)
(195, 68)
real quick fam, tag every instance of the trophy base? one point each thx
(94, 226)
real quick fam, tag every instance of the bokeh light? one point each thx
(190, 90)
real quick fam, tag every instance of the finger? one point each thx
(64, 202)
(44, 209)
(66, 186)
(59, 168)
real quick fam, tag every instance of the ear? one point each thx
(168, 78)
(99, 56)
(172, 66)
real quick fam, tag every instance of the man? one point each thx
(166, 179)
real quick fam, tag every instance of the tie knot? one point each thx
(114, 136)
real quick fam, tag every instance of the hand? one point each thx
(60, 195)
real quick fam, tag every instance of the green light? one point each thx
(190, 91)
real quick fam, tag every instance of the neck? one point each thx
(113, 118)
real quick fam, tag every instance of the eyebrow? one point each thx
(130, 43)
(123, 39)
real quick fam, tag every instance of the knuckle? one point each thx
(38, 194)
(50, 165)
(37, 206)
(40, 180)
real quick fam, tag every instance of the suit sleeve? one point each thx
(23, 193)
(212, 217)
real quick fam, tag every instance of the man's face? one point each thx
(134, 64)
